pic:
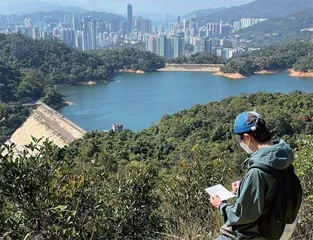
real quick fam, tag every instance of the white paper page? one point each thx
(220, 191)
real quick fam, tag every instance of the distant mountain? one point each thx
(203, 12)
(260, 9)
(294, 27)
(59, 15)
(24, 7)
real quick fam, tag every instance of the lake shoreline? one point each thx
(173, 67)
(294, 73)
(233, 76)
(131, 71)
(265, 72)
(139, 101)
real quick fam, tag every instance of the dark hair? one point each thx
(261, 134)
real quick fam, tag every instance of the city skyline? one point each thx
(86, 33)
(143, 6)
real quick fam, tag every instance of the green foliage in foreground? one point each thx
(148, 184)
(297, 55)
(11, 117)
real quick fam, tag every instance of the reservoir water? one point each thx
(139, 101)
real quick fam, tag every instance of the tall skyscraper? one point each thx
(115, 25)
(143, 25)
(85, 34)
(28, 23)
(124, 28)
(93, 36)
(178, 47)
(130, 17)
(76, 23)
(79, 41)
(160, 29)
(178, 20)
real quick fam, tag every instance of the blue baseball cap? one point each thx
(246, 122)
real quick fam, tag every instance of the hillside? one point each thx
(203, 12)
(296, 55)
(282, 29)
(150, 184)
(57, 16)
(23, 7)
(259, 9)
(30, 69)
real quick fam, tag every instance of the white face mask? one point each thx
(246, 148)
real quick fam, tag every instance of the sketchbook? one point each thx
(220, 191)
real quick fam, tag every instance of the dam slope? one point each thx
(46, 123)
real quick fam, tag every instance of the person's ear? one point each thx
(246, 138)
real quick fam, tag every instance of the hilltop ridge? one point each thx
(293, 27)
(258, 9)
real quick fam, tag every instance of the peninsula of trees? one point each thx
(296, 56)
(30, 70)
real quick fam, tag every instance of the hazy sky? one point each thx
(156, 6)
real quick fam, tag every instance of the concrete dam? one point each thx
(46, 123)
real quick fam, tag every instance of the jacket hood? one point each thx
(279, 156)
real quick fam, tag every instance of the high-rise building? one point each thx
(101, 27)
(178, 20)
(85, 34)
(160, 29)
(237, 26)
(67, 20)
(143, 25)
(247, 22)
(36, 33)
(93, 35)
(115, 25)
(203, 45)
(228, 53)
(215, 43)
(186, 25)
(178, 47)
(226, 30)
(124, 28)
(76, 26)
(161, 44)
(130, 17)
(151, 45)
(28, 23)
(168, 47)
(155, 30)
(213, 30)
(79, 41)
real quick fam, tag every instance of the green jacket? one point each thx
(251, 196)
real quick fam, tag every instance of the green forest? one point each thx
(150, 184)
(30, 70)
(280, 30)
(296, 55)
